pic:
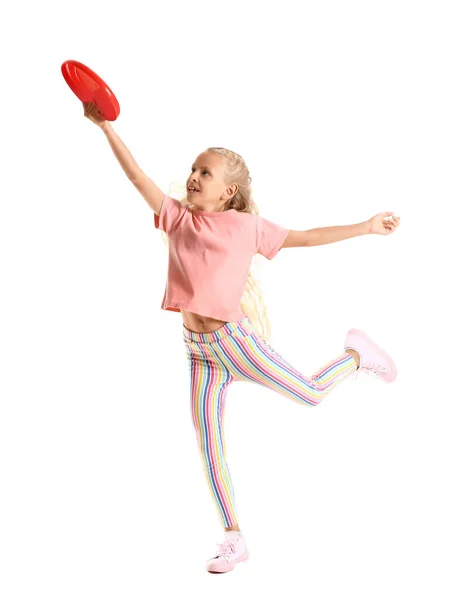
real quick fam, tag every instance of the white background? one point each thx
(341, 110)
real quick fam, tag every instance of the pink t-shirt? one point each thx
(210, 255)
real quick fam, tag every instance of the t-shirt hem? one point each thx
(228, 317)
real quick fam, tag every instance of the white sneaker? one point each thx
(373, 359)
(231, 551)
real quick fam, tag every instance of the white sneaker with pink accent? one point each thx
(230, 552)
(372, 359)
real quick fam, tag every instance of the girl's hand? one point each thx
(93, 113)
(379, 225)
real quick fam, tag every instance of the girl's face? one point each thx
(207, 176)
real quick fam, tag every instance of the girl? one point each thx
(213, 234)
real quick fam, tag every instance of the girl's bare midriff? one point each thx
(199, 323)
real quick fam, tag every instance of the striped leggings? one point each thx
(235, 352)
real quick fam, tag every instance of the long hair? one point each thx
(236, 171)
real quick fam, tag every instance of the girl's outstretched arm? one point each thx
(146, 186)
(327, 235)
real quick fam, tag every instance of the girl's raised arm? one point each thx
(147, 188)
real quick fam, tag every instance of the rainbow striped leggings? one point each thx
(235, 352)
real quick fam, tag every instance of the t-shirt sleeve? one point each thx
(169, 214)
(269, 237)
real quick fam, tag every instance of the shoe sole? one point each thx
(232, 564)
(387, 377)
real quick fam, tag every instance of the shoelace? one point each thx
(225, 549)
(372, 369)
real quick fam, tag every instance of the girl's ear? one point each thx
(233, 189)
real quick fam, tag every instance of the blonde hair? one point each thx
(236, 171)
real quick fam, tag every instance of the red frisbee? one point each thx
(89, 87)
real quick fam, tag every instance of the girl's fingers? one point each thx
(390, 224)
